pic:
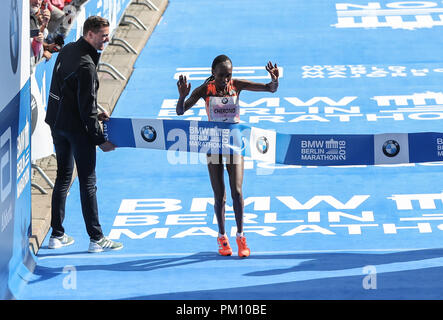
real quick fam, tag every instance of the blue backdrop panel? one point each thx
(315, 232)
(15, 166)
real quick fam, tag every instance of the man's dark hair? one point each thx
(94, 24)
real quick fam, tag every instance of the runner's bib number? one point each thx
(224, 109)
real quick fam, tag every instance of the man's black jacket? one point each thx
(72, 104)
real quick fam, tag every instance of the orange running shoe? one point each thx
(224, 248)
(243, 250)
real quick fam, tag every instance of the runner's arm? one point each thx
(255, 86)
(184, 88)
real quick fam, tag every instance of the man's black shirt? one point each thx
(72, 104)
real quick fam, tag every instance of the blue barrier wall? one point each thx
(15, 195)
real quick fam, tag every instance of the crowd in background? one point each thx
(50, 22)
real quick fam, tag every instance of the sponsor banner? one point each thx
(146, 133)
(326, 150)
(40, 132)
(424, 147)
(282, 215)
(391, 148)
(270, 146)
(406, 15)
(263, 145)
(178, 135)
(8, 138)
(15, 149)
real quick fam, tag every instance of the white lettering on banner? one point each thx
(425, 201)
(391, 228)
(249, 73)
(23, 140)
(408, 15)
(417, 99)
(426, 106)
(271, 217)
(197, 231)
(368, 71)
(323, 150)
(185, 219)
(294, 204)
(23, 159)
(149, 205)
(5, 178)
(6, 217)
(439, 143)
(22, 183)
(342, 102)
(210, 138)
(138, 220)
(159, 233)
(249, 218)
(335, 216)
(5, 164)
(345, 217)
(22, 163)
(260, 204)
(308, 229)
(354, 228)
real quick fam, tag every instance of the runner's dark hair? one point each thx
(219, 59)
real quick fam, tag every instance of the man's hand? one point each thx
(104, 116)
(107, 146)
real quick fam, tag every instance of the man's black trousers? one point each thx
(70, 147)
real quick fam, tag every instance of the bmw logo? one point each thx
(262, 145)
(14, 35)
(225, 100)
(391, 148)
(34, 113)
(148, 133)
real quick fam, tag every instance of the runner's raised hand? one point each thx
(273, 71)
(183, 86)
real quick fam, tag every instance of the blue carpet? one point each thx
(314, 232)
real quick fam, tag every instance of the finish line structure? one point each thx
(271, 146)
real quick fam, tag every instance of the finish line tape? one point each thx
(273, 147)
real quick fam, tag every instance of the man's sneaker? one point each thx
(243, 250)
(224, 248)
(104, 244)
(58, 242)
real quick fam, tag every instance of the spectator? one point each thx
(59, 3)
(38, 22)
(42, 19)
(57, 15)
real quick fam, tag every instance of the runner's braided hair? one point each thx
(219, 59)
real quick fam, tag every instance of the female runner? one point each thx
(221, 86)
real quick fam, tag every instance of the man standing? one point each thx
(76, 131)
